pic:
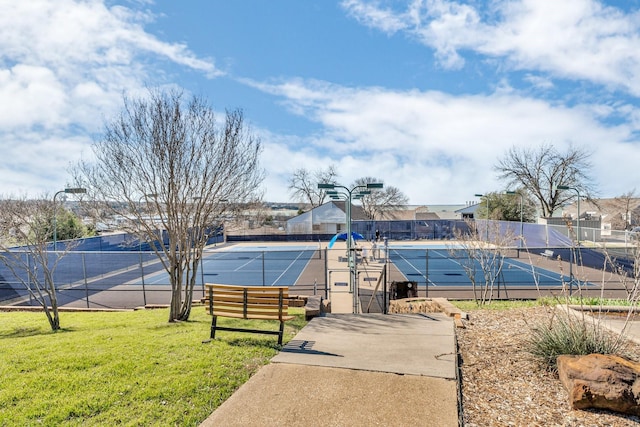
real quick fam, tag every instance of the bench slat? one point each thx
(256, 317)
(251, 304)
(249, 312)
(250, 300)
(252, 289)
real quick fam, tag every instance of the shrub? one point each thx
(574, 334)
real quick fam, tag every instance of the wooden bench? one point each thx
(248, 302)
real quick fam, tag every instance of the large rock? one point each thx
(601, 381)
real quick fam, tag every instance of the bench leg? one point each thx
(281, 334)
(213, 327)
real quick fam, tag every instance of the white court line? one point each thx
(530, 268)
(412, 266)
(540, 272)
(286, 269)
(248, 262)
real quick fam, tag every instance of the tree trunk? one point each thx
(176, 292)
(190, 283)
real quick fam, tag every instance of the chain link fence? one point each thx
(603, 265)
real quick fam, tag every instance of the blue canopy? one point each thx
(343, 236)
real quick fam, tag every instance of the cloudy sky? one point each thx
(425, 95)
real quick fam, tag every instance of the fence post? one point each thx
(29, 277)
(385, 309)
(86, 283)
(202, 273)
(426, 272)
(144, 293)
(571, 258)
(326, 273)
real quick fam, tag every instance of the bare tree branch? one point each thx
(303, 184)
(170, 169)
(540, 170)
(378, 203)
(25, 229)
(482, 247)
(627, 204)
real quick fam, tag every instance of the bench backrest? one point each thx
(248, 302)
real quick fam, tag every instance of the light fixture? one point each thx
(73, 190)
(348, 195)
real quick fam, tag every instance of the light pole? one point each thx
(55, 216)
(521, 217)
(487, 224)
(350, 194)
(565, 187)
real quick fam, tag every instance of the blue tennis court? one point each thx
(251, 265)
(131, 279)
(442, 266)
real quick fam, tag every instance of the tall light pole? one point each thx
(55, 216)
(487, 224)
(565, 187)
(349, 195)
(521, 217)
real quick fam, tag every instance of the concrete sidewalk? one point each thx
(619, 325)
(354, 370)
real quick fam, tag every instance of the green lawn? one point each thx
(128, 368)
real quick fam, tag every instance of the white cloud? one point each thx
(440, 148)
(373, 16)
(36, 162)
(64, 65)
(573, 39)
(34, 96)
(539, 81)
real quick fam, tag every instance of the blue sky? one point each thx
(425, 95)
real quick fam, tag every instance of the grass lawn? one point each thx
(128, 368)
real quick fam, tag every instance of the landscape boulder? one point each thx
(601, 381)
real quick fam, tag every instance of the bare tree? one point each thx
(303, 184)
(376, 204)
(626, 204)
(481, 250)
(540, 170)
(170, 157)
(25, 229)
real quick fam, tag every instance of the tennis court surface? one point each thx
(130, 279)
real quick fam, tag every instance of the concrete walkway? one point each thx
(617, 324)
(354, 370)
